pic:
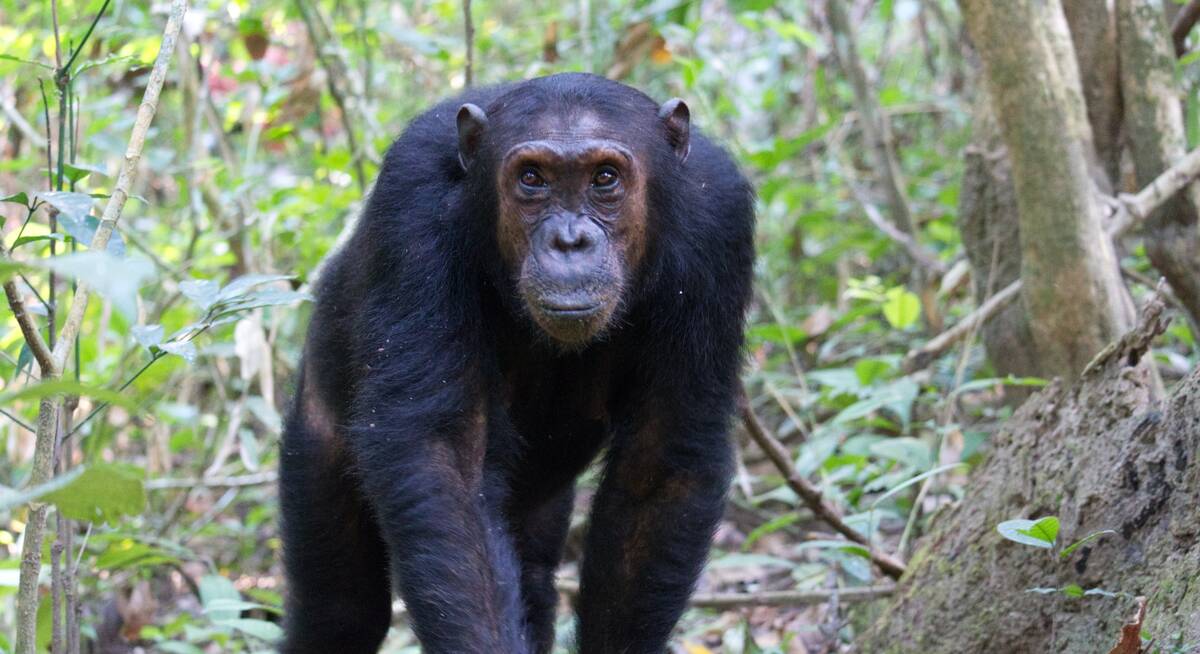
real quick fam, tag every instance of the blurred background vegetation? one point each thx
(268, 133)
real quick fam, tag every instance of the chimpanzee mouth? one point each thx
(571, 310)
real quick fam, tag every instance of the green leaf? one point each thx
(1045, 529)
(201, 291)
(66, 387)
(901, 308)
(102, 493)
(1024, 532)
(225, 604)
(1073, 590)
(215, 589)
(69, 204)
(147, 335)
(261, 629)
(871, 370)
(117, 279)
(78, 171)
(1076, 545)
(10, 498)
(896, 397)
(769, 527)
(20, 198)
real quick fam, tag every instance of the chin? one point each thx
(574, 329)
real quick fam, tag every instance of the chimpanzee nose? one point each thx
(575, 236)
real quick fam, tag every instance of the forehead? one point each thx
(569, 136)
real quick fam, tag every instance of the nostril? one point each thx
(571, 239)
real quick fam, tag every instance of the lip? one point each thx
(570, 311)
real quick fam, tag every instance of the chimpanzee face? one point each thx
(572, 213)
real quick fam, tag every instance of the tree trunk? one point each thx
(1099, 454)
(1072, 284)
(989, 224)
(1154, 119)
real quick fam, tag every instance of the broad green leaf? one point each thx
(66, 387)
(901, 308)
(117, 279)
(228, 604)
(78, 171)
(1045, 529)
(1021, 531)
(103, 493)
(201, 291)
(906, 450)
(11, 498)
(215, 588)
(184, 349)
(1073, 590)
(69, 203)
(246, 282)
(261, 629)
(147, 335)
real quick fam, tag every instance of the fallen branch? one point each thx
(1185, 20)
(570, 588)
(1131, 209)
(920, 357)
(809, 493)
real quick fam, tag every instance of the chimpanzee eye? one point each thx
(531, 178)
(605, 177)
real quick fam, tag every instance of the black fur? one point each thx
(438, 434)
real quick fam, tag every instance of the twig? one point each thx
(872, 123)
(570, 588)
(1131, 209)
(17, 420)
(22, 125)
(49, 408)
(469, 29)
(236, 481)
(919, 357)
(920, 254)
(331, 76)
(1185, 20)
(809, 493)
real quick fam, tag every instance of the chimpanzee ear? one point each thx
(677, 118)
(471, 124)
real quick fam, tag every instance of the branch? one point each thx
(809, 493)
(789, 598)
(1185, 20)
(1131, 209)
(236, 481)
(29, 329)
(918, 358)
(50, 407)
(469, 29)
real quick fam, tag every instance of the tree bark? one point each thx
(1099, 454)
(1094, 35)
(1072, 284)
(1154, 123)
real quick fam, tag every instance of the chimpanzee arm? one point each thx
(651, 528)
(664, 487)
(419, 452)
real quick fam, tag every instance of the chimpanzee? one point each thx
(545, 270)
